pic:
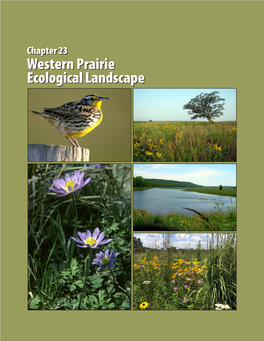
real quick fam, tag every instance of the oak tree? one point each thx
(206, 106)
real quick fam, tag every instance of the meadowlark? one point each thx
(75, 119)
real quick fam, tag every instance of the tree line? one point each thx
(140, 182)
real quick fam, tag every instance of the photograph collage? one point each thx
(132, 199)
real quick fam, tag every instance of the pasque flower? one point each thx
(104, 259)
(86, 239)
(70, 185)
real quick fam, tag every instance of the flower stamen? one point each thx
(69, 186)
(91, 241)
(105, 260)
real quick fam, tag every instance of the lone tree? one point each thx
(220, 187)
(206, 106)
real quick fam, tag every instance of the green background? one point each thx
(174, 45)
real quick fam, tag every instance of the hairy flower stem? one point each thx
(86, 276)
(75, 226)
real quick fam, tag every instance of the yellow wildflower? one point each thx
(144, 305)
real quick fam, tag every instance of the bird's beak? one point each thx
(98, 102)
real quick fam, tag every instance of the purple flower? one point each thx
(175, 288)
(70, 185)
(185, 299)
(185, 286)
(88, 240)
(173, 281)
(96, 166)
(199, 282)
(105, 259)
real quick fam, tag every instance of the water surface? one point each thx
(162, 201)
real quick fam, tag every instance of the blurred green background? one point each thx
(110, 141)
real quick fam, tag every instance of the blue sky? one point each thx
(199, 174)
(178, 240)
(167, 104)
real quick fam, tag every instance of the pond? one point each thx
(162, 201)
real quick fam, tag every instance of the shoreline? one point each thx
(212, 191)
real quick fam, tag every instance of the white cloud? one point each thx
(178, 240)
(207, 175)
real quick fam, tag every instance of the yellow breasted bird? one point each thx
(75, 119)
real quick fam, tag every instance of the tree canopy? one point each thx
(206, 106)
(140, 182)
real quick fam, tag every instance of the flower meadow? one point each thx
(184, 141)
(200, 279)
(79, 237)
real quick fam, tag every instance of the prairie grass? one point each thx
(184, 141)
(187, 279)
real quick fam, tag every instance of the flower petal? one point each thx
(96, 232)
(59, 183)
(75, 176)
(101, 237)
(80, 178)
(105, 241)
(55, 190)
(83, 246)
(86, 182)
(67, 177)
(62, 195)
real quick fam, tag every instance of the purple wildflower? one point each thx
(70, 185)
(105, 259)
(88, 240)
(185, 299)
(96, 166)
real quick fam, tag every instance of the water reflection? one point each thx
(162, 201)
